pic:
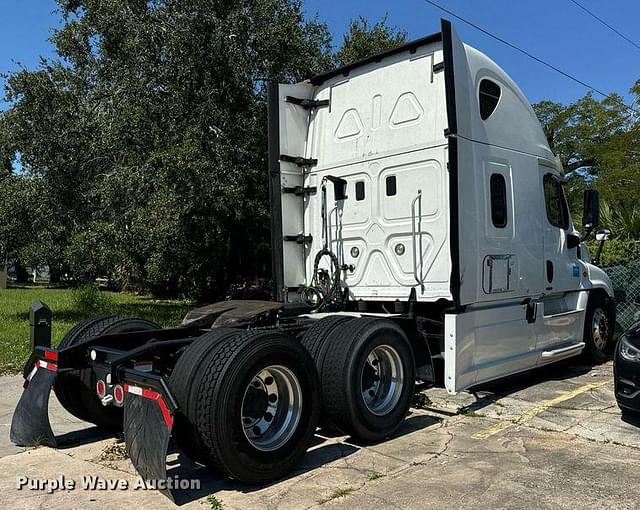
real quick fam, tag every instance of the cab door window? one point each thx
(555, 202)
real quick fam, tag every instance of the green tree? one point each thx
(148, 136)
(597, 142)
(142, 146)
(363, 40)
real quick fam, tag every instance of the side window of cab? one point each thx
(488, 97)
(555, 202)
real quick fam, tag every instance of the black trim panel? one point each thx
(275, 198)
(450, 93)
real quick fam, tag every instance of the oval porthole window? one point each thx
(489, 96)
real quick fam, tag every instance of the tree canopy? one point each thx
(597, 142)
(139, 153)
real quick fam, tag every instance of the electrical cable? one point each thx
(533, 57)
(593, 15)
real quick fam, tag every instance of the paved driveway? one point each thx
(548, 439)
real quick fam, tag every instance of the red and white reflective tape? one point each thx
(152, 395)
(42, 364)
(39, 364)
(49, 366)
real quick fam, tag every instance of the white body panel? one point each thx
(518, 294)
(384, 122)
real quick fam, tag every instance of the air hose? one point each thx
(329, 290)
(324, 287)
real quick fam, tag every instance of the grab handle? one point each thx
(418, 277)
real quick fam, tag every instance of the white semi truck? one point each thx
(419, 232)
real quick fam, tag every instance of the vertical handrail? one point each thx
(417, 277)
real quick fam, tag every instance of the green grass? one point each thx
(337, 493)
(14, 316)
(214, 503)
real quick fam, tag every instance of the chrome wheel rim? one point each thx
(599, 326)
(382, 380)
(271, 408)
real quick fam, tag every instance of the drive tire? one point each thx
(75, 389)
(184, 382)
(599, 324)
(220, 390)
(315, 338)
(344, 378)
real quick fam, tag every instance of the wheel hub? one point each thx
(382, 380)
(599, 328)
(271, 407)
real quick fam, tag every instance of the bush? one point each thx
(615, 251)
(89, 300)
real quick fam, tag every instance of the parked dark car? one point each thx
(626, 371)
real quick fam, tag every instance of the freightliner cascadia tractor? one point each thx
(420, 232)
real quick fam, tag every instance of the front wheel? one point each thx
(599, 326)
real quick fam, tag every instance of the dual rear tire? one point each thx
(366, 369)
(75, 389)
(249, 403)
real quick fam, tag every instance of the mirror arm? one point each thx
(587, 233)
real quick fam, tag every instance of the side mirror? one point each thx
(573, 241)
(603, 235)
(591, 209)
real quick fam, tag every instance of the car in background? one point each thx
(626, 371)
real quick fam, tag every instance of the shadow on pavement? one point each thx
(324, 450)
(489, 393)
(81, 437)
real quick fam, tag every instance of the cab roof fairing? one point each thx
(513, 125)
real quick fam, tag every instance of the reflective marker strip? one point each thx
(152, 395)
(136, 390)
(39, 364)
(48, 366)
(32, 373)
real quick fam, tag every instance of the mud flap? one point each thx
(147, 429)
(30, 425)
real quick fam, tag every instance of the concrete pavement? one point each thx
(553, 438)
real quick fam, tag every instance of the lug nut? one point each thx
(246, 421)
(268, 416)
(273, 398)
(268, 381)
(257, 431)
(256, 384)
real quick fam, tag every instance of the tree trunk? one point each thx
(3, 275)
(22, 276)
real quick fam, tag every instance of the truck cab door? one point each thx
(561, 323)
(561, 270)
